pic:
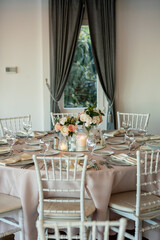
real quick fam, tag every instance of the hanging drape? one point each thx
(65, 18)
(101, 18)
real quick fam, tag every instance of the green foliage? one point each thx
(81, 88)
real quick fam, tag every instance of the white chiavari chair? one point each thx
(56, 116)
(69, 226)
(8, 206)
(13, 123)
(142, 205)
(137, 121)
(61, 177)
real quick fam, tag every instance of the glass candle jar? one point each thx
(81, 141)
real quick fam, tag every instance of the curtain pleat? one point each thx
(101, 18)
(65, 18)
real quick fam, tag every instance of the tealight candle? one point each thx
(81, 141)
(63, 146)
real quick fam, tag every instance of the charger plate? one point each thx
(102, 153)
(49, 153)
(115, 141)
(21, 163)
(120, 147)
(32, 148)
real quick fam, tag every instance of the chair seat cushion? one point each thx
(126, 202)
(9, 203)
(70, 206)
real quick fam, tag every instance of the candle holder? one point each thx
(81, 141)
(63, 144)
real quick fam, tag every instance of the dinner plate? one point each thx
(102, 153)
(115, 141)
(33, 142)
(118, 162)
(120, 147)
(49, 153)
(3, 141)
(32, 148)
(21, 163)
(154, 144)
(73, 155)
(4, 150)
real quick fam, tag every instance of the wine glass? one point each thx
(130, 140)
(91, 145)
(47, 144)
(11, 138)
(27, 127)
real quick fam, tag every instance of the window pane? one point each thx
(81, 88)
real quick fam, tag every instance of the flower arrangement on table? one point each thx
(90, 117)
(66, 126)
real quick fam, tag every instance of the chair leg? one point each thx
(21, 224)
(138, 226)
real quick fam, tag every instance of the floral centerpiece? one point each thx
(90, 117)
(66, 126)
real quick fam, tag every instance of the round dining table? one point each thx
(101, 182)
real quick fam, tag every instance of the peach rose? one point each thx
(64, 131)
(101, 119)
(58, 127)
(72, 128)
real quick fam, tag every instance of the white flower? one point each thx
(63, 120)
(88, 121)
(96, 120)
(64, 131)
(83, 117)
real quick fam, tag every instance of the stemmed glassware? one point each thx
(27, 125)
(91, 145)
(10, 136)
(130, 140)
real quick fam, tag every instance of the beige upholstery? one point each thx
(126, 202)
(89, 208)
(8, 206)
(9, 203)
(142, 205)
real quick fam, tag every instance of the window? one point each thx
(81, 88)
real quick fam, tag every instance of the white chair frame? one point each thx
(147, 203)
(50, 174)
(13, 123)
(57, 116)
(138, 121)
(82, 226)
(5, 216)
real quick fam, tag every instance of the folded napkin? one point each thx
(154, 137)
(5, 149)
(147, 138)
(114, 133)
(21, 134)
(9, 161)
(145, 148)
(125, 158)
(13, 160)
(3, 141)
(25, 156)
(38, 134)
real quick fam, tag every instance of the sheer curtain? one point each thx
(101, 18)
(65, 18)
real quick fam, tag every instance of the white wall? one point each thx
(138, 59)
(24, 43)
(21, 46)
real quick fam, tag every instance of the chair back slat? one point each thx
(148, 179)
(93, 225)
(14, 123)
(138, 121)
(57, 173)
(56, 116)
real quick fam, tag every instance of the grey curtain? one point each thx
(65, 18)
(101, 18)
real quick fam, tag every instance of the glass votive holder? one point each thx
(81, 141)
(63, 145)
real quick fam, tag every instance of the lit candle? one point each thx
(63, 146)
(81, 141)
